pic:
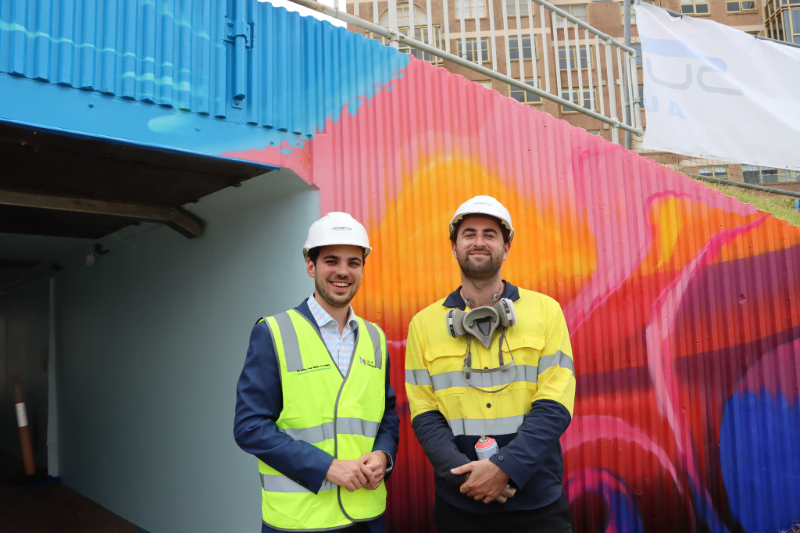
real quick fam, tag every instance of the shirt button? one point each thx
(499, 457)
(488, 405)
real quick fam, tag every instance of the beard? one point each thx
(336, 300)
(479, 267)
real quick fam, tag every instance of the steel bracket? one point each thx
(238, 28)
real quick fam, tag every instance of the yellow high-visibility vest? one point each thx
(337, 414)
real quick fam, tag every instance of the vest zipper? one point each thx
(336, 405)
(336, 418)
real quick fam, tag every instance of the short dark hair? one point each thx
(313, 254)
(503, 229)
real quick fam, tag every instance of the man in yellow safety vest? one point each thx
(314, 403)
(491, 388)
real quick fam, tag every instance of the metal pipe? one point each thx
(626, 21)
(412, 21)
(493, 34)
(505, 37)
(557, 54)
(578, 63)
(395, 35)
(534, 54)
(589, 60)
(429, 19)
(561, 13)
(240, 53)
(567, 51)
(599, 68)
(520, 48)
(544, 50)
(386, 32)
(446, 26)
(612, 94)
(24, 429)
(743, 185)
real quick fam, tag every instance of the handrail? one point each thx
(607, 38)
(743, 185)
(394, 34)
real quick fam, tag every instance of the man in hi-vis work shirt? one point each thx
(491, 388)
(314, 403)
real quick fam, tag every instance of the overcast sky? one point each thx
(291, 6)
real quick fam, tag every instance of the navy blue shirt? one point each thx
(532, 457)
(259, 402)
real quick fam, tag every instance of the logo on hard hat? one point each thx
(482, 203)
(342, 228)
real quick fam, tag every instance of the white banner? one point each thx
(715, 92)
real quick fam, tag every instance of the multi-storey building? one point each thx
(503, 27)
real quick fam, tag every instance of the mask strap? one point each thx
(467, 370)
(468, 358)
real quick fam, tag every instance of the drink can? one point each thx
(486, 447)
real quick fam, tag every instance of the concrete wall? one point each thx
(151, 342)
(23, 352)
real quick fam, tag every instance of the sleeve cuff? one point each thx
(511, 467)
(390, 464)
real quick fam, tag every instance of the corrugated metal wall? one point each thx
(177, 54)
(168, 52)
(683, 304)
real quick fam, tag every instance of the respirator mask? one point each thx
(481, 323)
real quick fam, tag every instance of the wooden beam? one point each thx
(176, 218)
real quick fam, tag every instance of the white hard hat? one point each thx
(336, 228)
(484, 205)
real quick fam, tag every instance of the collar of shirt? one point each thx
(454, 299)
(322, 318)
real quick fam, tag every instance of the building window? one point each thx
(524, 97)
(694, 8)
(783, 21)
(586, 103)
(580, 12)
(472, 50)
(403, 19)
(755, 174)
(513, 48)
(594, 132)
(638, 48)
(738, 7)
(713, 172)
(485, 84)
(470, 9)
(585, 62)
(420, 32)
(633, 11)
(511, 7)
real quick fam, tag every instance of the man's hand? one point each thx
(376, 462)
(505, 494)
(351, 475)
(485, 481)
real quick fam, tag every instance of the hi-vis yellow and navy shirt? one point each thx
(527, 418)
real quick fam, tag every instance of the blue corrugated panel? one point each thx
(170, 53)
(298, 72)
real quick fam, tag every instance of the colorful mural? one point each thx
(683, 304)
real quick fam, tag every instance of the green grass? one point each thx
(779, 207)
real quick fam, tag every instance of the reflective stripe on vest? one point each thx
(340, 415)
(455, 378)
(485, 426)
(348, 426)
(272, 483)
